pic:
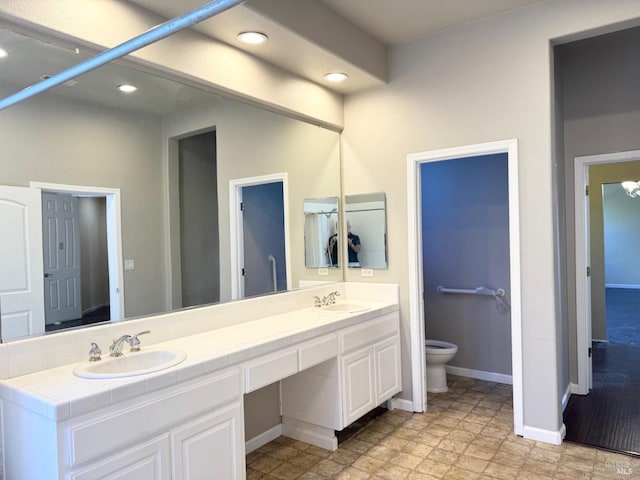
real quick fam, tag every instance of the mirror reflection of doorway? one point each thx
(75, 256)
(264, 268)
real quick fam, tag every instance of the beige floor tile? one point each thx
(502, 472)
(286, 471)
(327, 468)
(353, 474)
(460, 474)
(482, 453)
(434, 468)
(467, 434)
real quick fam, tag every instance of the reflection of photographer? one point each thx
(353, 246)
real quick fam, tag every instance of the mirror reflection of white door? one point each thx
(61, 252)
(21, 272)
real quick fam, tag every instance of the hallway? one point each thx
(609, 417)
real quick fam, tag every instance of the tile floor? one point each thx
(466, 434)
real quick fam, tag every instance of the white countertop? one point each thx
(57, 394)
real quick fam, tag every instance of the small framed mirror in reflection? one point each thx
(321, 233)
(366, 240)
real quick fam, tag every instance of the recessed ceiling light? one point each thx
(3, 53)
(127, 88)
(336, 77)
(253, 38)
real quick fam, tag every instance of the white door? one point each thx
(62, 292)
(358, 384)
(21, 286)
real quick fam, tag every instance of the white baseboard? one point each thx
(321, 437)
(480, 375)
(567, 395)
(622, 285)
(401, 404)
(262, 439)
(546, 436)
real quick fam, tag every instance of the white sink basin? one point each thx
(130, 364)
(346, 307)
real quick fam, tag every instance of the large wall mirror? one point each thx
(137, 190)
(366, 220)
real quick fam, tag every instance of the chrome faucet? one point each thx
(132, 340)
(116, 347)
(326, 300)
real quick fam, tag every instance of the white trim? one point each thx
(114, 237)
(400, 404)
(480, 375)
(574, 388)
(263, 438)
(236, 256)
(316, 435)
(547, 436)
(567, 396)
(622, 285)
(583, 285)
(415, 267)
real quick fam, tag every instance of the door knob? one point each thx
(47, 275)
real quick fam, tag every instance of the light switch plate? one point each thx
(366, 272)
(129, 265)
(323, 271)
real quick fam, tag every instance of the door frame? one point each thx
(114, 237)
(582, 256)
(416, 286)
(236, 230)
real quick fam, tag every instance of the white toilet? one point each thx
(438, 354)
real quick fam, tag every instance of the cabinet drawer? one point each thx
(361, 336)
(270, 368)
(154, 413)
(318, 351)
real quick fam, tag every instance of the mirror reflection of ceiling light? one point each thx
(335, 77)
(632, 188)
(3, 53)
(252, 38)
(127, 88)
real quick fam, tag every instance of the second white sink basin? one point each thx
(346, 307)
(131, 364)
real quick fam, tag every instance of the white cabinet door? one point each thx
(149, 461)
(387, 368)
(212, 446)
(358, 384)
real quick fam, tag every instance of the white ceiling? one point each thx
(309, 51)
(393, 22)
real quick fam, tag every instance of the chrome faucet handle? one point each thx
(134, 341)
(95, 352)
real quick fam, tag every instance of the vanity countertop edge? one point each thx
(57, 394)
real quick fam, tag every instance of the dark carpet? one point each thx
(99, 315)
(609, 417)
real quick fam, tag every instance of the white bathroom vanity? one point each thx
(187, 421)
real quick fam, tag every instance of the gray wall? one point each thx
(199, 238)
(465, 235)
(601, 115)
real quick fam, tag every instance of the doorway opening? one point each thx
(416, 268)
(259, 260)
(607, 296)
(82, 255)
